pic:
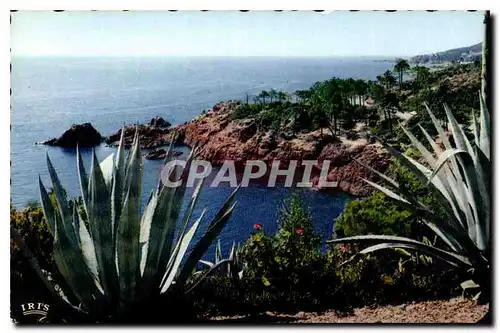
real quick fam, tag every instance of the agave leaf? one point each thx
(474, 189)
(456, 171)
(218, 252)
(87, 248)
(232, 252)
(461, 140)
(118, 186)
(128, 232)
(179, 244)
(72, 266)
(174, 208)
(207, 263)
(444, 139)
(453, 173)
(403, 240)
(107, 168)
(184, 244)
(62, 204)
(34, 264)
(229, 202)
(128, 250)
(99, 217)
(47, 208)
(120, 155)
(383, 246)
(407, 196)
(483, 170)
(443, 158)
(84, 182)
(212, 269)
(449, 235)
(485, 134)
(160, 221)
(422, 174)
(450, 185)
(387, 192)
(421, 148)
(475, 129)
(145, 225)
(213, 231)
(168, 155)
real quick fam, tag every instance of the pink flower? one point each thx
(257, 226)
(299, 231)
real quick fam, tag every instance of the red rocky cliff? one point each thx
(225, 139)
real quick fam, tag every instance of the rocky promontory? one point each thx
(152, 135)
(85, 135)
(223, 138)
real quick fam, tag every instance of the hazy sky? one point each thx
(243, 34)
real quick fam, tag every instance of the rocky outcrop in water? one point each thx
(159, 122)
(85, 135)
(149, 136)
(160, 154)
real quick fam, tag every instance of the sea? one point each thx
(49, 94)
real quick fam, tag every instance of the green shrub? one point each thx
(373, 215)
(25, 285)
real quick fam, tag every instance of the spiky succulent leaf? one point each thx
(183, 246)
(70, 263)
(434, 251)
(62, 204)
(47, 208)
(128, 247)
(84, 181)
(99, 217)
(214, 228)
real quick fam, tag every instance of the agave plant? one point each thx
(459, 178)
(231, 266)
(110, 256)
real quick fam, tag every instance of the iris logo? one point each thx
(38, 309)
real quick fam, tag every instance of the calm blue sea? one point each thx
(49, 94)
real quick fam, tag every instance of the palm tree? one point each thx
(303, 95)
(281, 96)
(422, 74)
(264, 94)
(273, 94)
(401, 67)
(360, 87)
(387, 79)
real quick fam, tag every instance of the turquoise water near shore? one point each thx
(49, 94)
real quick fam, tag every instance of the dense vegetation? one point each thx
(376, 106)
(288, 271)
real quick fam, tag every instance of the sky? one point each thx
(223, 33)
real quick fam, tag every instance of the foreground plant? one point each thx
(459, 178)
(230, 266)
(111, 257)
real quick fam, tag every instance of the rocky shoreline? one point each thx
(221, 138)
